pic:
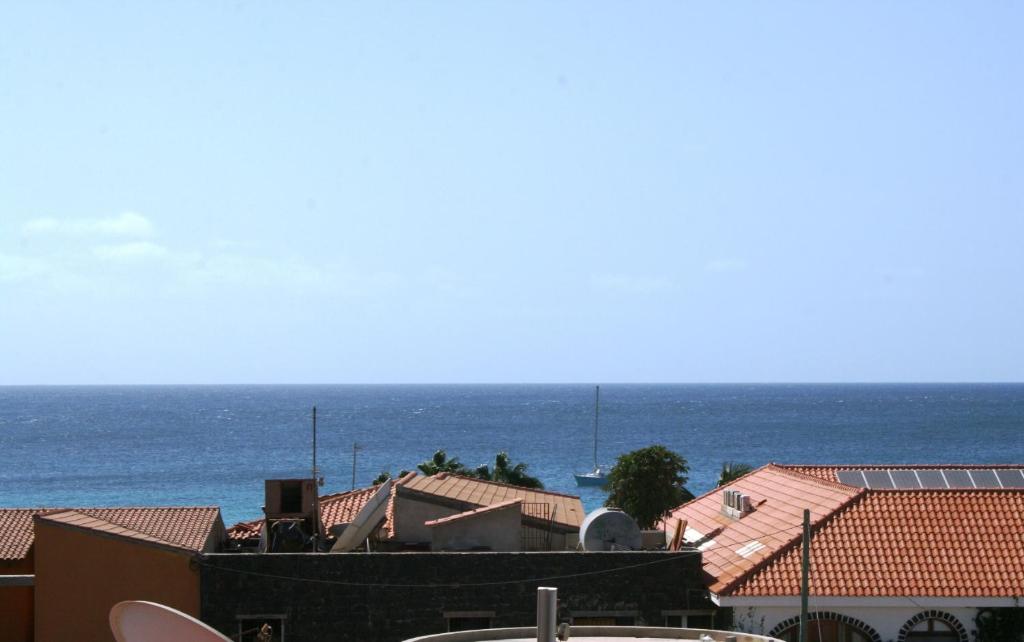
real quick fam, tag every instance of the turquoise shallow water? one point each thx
(173, 445)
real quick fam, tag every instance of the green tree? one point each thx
(440, 463)
(647, 483)
(505, 473)
(386, 475)
(731, 471)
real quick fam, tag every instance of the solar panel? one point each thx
(878, 479)
(905, 479)
(851, 478)
(958, 479)
(931, 478)
(984, 478)
(1011, 478)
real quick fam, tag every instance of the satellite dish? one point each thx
(137, 621)
(609, 529)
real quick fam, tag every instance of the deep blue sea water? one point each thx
(189, 445)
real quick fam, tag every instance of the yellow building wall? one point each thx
(81, 574)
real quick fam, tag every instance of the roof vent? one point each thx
(735, 504)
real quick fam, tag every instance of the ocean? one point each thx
(214, 445)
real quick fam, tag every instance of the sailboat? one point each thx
(598, 476)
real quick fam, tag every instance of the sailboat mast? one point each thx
(597, 414)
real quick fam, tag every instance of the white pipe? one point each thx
(547, 612)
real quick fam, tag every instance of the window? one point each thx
(260, 628)
(291, 496)
(689, 619)
(933, 630)
(826, 631)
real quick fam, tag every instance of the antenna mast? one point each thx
(597, 414)
(315, 475)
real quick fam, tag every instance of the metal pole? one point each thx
(314, 445)
(547, 611)
(597, 415)
(805, 572)
(355, 447)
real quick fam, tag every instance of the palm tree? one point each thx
(507, 474)
(440, 463)
(731, 471)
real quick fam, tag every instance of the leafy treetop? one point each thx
(647, 483)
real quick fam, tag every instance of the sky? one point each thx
(464, 192)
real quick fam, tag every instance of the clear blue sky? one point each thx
(511, 191)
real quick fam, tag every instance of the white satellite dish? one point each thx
(137, 621)
(609, 529)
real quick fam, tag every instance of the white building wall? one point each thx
(885, 620)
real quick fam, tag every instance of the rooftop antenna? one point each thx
(316, 472)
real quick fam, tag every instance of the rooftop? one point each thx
(937, 542)
(965, 543)
(16, 534)
(733, 548)
(567, 510)
(187, 528)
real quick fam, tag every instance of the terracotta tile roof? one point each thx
(473, 513)
(732, 548)
(16, 534)
(940, 543)
(341, 508)
(337, 508)
(474, 493)
(186, 528)
(829, 472)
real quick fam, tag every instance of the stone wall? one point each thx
(388, 597)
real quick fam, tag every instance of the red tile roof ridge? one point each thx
(797, 539)
(124, 531)
(716, 489)
(344, 494)
(947, 491)
(474, 512)
(897, 465)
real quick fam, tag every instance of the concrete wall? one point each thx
(81, 574)
(388, 597)
(886, 621)
(498, 530)
(411, 513)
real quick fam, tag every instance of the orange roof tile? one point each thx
(473, 513)
(938, 543)
(186, 528)
(16, 534)
(567, 509)
(732, 548)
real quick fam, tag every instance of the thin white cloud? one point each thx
(726, 265)
(126, 225)
(15, 268)
(133, 251)
(107, 255)
(630, 283)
